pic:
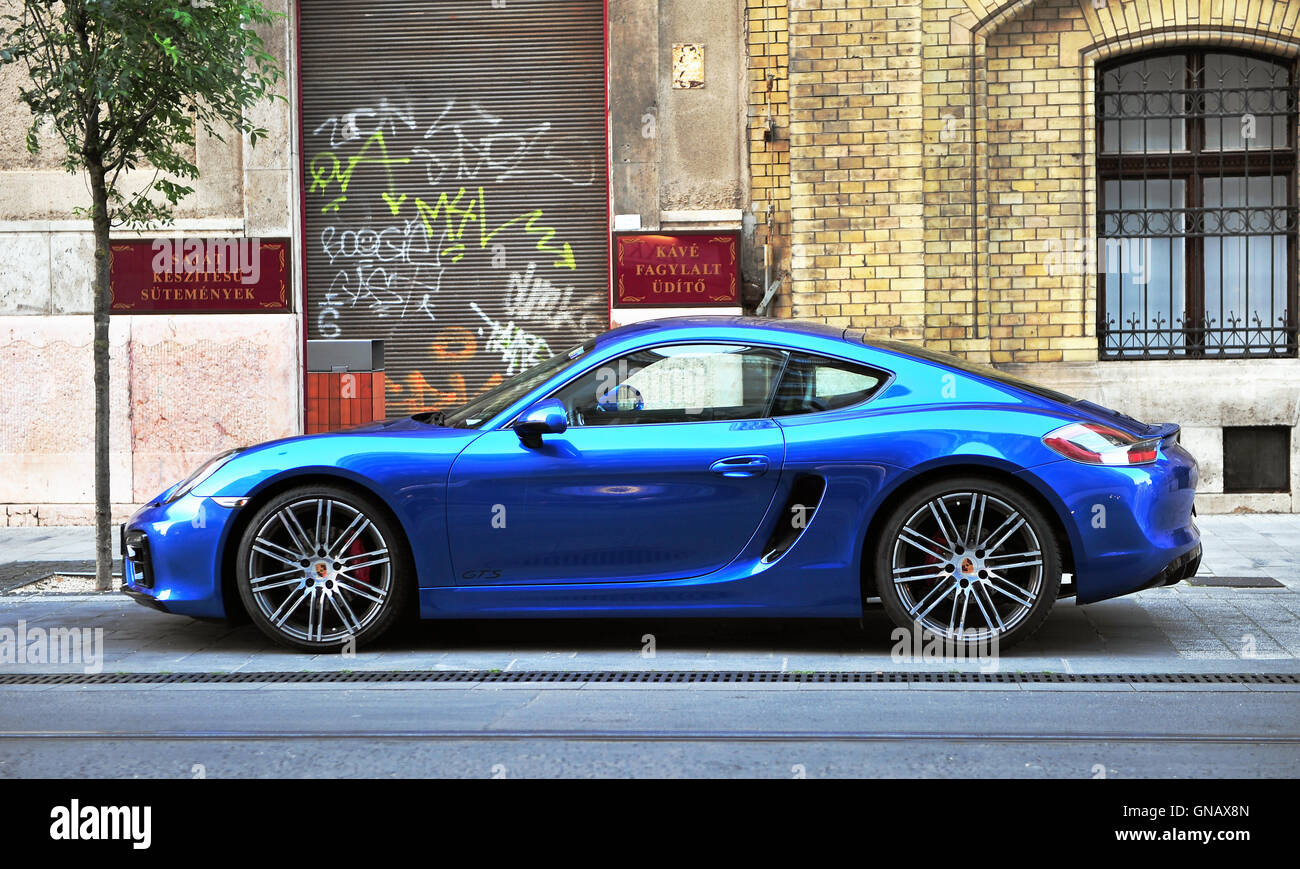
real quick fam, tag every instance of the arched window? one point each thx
(1196, 166)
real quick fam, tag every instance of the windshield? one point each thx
(474, 413)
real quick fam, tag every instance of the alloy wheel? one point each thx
(967, 566)
(319, 570)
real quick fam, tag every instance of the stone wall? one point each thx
(182, 387)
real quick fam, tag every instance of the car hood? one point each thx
(355, 452)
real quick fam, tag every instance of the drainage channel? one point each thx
(641, 677)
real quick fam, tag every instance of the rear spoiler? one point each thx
(1165, 431)
(1157, 431)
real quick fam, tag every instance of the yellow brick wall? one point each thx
(769, 153)
(887, 153)
(1035, 195)
(950, 274)
(855, 164)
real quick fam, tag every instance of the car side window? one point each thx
(812, 384)
(676, 383)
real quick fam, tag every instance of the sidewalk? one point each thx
(31, 553)
(1235, 545)
(51, 543)
(1252, 544)
(1180, 629)
(1260, 544)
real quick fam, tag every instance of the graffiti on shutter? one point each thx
(459, 217)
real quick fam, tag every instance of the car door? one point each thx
(669, 464)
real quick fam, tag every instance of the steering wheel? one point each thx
(623, 397)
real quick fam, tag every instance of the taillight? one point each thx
(1096, 444)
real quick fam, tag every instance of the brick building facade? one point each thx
(940, 159)
(927, 169)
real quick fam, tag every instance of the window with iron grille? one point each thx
(1196, 167)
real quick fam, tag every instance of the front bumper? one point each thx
(143, 599)
(173, 556)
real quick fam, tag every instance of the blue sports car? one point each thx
(701, 466)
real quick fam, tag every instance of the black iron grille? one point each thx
(1197, 215)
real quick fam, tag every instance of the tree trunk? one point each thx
(103, 501)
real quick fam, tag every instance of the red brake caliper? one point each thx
(355, 548)
(931, 560)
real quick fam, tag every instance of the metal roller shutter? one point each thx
(455, 185)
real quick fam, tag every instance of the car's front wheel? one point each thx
(970, 561)
(322, 569)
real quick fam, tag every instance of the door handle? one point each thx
(740, 466)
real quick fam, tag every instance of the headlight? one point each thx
(205, 470)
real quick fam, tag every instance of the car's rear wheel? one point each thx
(322, 569)
(970, 561)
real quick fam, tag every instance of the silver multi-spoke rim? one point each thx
(319, 570)
(967, 566)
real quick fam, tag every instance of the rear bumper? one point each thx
(1129, 527)
(1182, 567)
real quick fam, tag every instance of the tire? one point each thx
(954, 549)
(332, 549)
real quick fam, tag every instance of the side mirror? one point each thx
(547, 416)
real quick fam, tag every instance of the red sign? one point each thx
(677, 271)
(199, 275)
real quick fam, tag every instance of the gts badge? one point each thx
(485, 573)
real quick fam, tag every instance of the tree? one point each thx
(127, 85)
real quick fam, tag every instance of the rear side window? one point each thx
(985, 371)
(812, 384)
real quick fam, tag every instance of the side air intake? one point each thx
(796, 515)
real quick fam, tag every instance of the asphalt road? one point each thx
(472, 726)
(522, 730)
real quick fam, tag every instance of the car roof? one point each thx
(767, 324)
(775, 327)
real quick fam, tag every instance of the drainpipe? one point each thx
(975, 197)
(770, 287)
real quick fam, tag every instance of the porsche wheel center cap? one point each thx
(320, 574)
